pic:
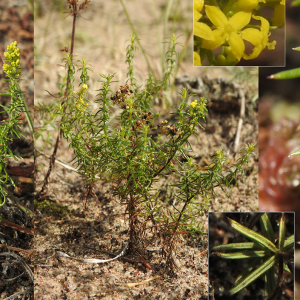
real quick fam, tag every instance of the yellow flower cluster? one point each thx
(197, 110)
(12, 56)
(194, 103)
(228, 25)
(80, 104)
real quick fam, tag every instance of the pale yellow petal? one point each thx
(198, 5)
(219, 39)
(239, 20)
(256, 38)
(253, 36)
(197, 16)
(237, 45)
(245, 5)
(216, 16)
(203, 31)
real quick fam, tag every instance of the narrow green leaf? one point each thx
(243, 254)
(289, 243)
(254, 275)
(286, 268)
(236, 246)
(254, 236)
(297, 48)
(267, 229)
(270, 281)
(289, 74)
(295, 153)
(245, 273)
(282, 232)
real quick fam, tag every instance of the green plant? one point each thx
(133, 153)
(268, 256)
(10, 124)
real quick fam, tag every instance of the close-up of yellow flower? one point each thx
(227, 30)
(221, 25)
(258, 38)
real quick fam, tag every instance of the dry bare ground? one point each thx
(100, 231)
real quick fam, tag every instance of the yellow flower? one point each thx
(197, 59)
(245, 5)
(201, 29)
(227, 30)
(198, 5)
(12, 55)
(258, 38)
(279, 15)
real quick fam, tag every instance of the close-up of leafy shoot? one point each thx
(270, 256)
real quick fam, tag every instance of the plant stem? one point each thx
(138, 41)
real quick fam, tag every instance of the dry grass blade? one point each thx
(15, 249)
(20, 228)
(92, 260)
(139, 283)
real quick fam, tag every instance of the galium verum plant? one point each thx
(10, 127)
(135, 153)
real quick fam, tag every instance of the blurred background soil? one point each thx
(279, 101)
(102, 35)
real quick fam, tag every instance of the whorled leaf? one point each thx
(254, 275)
(289, 74)
(254, 236)
(243, 254)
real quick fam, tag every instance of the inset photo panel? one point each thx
(243, 33)
(251, 255)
